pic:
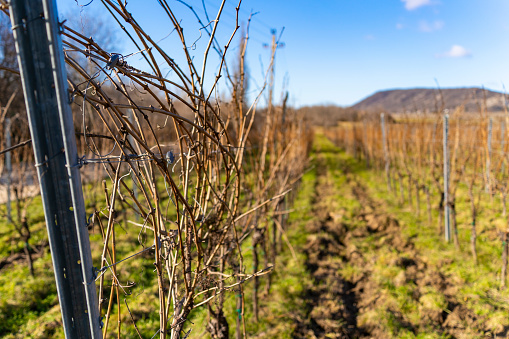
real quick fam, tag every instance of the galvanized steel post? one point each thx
(446, 179)
(40, 56)
(386, 152)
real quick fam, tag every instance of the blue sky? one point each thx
(340, 51)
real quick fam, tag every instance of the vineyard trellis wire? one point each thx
(187, 164)
(413, 151)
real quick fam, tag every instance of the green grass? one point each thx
(28, 306)
(24, 298)
(289, 280)
(475, 286)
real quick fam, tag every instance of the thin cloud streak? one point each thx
(414, 4)
(456, 51)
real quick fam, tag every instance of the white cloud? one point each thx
(425, 26)
(369, 37)
(399, 26)
(413, 4)
(456, 51)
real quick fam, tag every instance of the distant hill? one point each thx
(428, 100)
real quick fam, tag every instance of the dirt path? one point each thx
(332, 300)
(369, 280)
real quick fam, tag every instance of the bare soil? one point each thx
(340, 308)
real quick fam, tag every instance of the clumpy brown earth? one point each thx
(370, 281)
